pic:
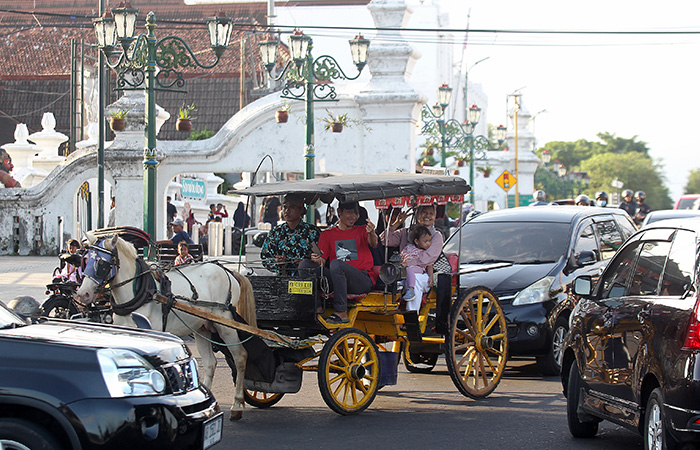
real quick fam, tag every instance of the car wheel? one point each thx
(550, 364)
(18, 434)
(656, 435)
(579, 427)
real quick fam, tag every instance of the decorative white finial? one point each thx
(21, 133)
(48, 122)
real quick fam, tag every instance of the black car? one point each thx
(632, 355)
(528, 256)
(73, 385)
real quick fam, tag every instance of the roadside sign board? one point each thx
(506, 180)
(192, 188)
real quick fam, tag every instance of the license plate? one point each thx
(212, 431)
(301, 287)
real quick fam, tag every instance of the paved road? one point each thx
(420, 412)
(423, 411)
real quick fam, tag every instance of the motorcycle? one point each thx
(62, 304)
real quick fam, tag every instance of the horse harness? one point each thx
(105, 268)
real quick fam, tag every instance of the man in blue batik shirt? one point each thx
(289, 243)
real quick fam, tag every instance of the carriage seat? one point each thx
(354, 298)
(168, 252)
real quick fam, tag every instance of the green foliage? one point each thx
(200, 135)
(637, 171)
(571, 154)
(343, 119)
(186, 112)
(119, 113)
(613, 157)
(693, 185)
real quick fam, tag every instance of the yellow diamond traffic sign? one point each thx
(506, 180)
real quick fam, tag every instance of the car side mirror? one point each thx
(583, 286)
(586, 258)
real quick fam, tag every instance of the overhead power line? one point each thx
(429, 30)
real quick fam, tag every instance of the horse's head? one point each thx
(100, 265)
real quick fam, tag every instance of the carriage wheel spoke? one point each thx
(479, 311)
(491, 324)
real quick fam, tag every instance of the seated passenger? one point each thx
(183, 256)
(419, 276)
(72, 272)
(179, 234)
(345, 251)
(289, 243)
(425, 215)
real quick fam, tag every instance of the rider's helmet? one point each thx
(640, 195)
(539, 195)
(601, 198)
(582, 200)
(627, 193)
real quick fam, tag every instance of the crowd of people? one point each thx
(634, 203)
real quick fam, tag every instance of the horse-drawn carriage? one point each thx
(353, 360)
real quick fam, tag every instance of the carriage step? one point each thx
(412, 326)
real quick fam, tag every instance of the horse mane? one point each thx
(125, 248)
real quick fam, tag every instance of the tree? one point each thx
(637, 171)
(693, 185)
(571, 154)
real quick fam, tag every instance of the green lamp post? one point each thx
(309, 79)
(135, 66)
(456, 135)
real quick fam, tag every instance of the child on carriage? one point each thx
(183, 256)
(71, 262)
(419, 275)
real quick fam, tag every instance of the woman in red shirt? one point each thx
(345, 251)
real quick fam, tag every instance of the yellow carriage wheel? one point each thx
(476, 343)
(261, 399)
(349, 371)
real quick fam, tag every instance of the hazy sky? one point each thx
(630, 85)
(644, 86)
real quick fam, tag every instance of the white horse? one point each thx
(114, 261)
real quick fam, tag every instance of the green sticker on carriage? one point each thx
(300, 287)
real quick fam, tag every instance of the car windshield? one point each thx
(8, 319)
(512, 242)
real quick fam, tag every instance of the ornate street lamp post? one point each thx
(459, 136)
(434, 122)
(309, 79)
(136, 64)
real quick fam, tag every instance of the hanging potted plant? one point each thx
(461, 161)
(118, 119)
(336, 122)
(486, 171)
(282, 114)
(184, 121)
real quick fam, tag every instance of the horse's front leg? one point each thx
(207, 355)
(240, 356)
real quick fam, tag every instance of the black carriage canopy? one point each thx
(355, 188)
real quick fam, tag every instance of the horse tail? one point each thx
(246, 301)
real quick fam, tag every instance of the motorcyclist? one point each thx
(539, 197)
(628, 205)
(642, 208)
(601, 199)
(582, 200)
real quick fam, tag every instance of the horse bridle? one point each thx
(103, 269)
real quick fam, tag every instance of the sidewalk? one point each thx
(25, 275)
(29, 275)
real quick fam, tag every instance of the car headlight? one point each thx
(128, 374)
(537, 292)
